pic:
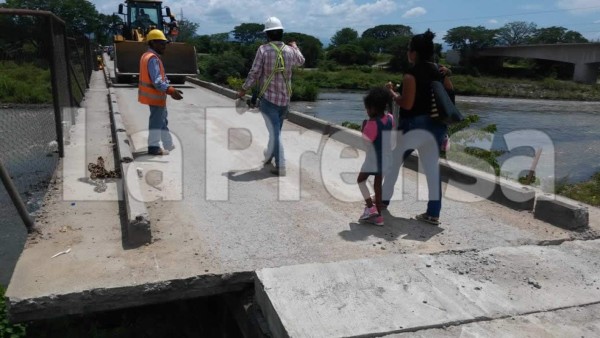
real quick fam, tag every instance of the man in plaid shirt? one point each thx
(272, 71)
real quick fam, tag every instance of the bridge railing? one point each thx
(43, 78)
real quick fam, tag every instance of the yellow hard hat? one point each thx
(156, 34)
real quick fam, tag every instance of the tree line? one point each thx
(236, 48)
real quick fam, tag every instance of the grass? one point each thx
(8, 330)
(548, 88)
(24, 83)
(587, 192)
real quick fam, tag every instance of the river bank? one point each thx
(363, 78)
(572, 137)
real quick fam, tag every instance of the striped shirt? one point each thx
(263, 66)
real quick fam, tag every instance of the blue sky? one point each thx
(322, 18)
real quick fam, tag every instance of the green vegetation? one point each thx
(587, 192)
(354, 77)
(24, 83)
(460, 152)
(351, 125)
(547, 88)
(364, 77)
(8, 330)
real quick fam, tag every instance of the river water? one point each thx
(573, 127)
(27, 135)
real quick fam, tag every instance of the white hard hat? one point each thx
(272, 23)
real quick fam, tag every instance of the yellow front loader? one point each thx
(141, 16)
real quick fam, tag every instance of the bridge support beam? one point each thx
(586, 73)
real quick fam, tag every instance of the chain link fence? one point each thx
(43, 78)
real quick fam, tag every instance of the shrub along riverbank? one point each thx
(24, 83)
(362, 78)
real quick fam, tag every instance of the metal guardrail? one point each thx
(36, 119)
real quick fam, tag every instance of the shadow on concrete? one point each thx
(249, 175)
(394, 228)
(413, 229)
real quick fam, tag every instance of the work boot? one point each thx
(278, 171)
(159, 152)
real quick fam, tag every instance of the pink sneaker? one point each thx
(377, 220)
(368, 213)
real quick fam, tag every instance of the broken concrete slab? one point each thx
(405, 293)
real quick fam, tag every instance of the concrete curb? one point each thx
(232, 94)
(561, 212)
(502, 191)
(138, 230)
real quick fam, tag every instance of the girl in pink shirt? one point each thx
(376, 132)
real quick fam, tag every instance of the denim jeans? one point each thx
(274, 116)
(158, 129)
(426, 136)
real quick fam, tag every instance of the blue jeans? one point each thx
(426, 136)
(158, 129)
(274, 116)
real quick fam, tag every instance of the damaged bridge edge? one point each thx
(106, 299)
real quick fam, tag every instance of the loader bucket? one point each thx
(179, 61)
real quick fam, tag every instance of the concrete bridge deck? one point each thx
(202, 246)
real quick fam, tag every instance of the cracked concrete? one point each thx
(410, 293)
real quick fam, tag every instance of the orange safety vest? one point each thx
(147, 93)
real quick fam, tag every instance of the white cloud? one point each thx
(579, 7)
(321, 18)
(415, 12)
(493, 21)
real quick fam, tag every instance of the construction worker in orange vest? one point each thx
(153, 88)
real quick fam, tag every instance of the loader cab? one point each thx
(142, 16)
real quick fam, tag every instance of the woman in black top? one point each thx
(417, 129)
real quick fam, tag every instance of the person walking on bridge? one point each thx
(153, 88)
(418, 129)
(272, 69)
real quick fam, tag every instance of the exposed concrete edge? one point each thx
(104, 299)
(138, 230)
(271, 315)
(561, 212)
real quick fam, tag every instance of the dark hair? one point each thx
(423, 45)
(378, 99)
(275, 35)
